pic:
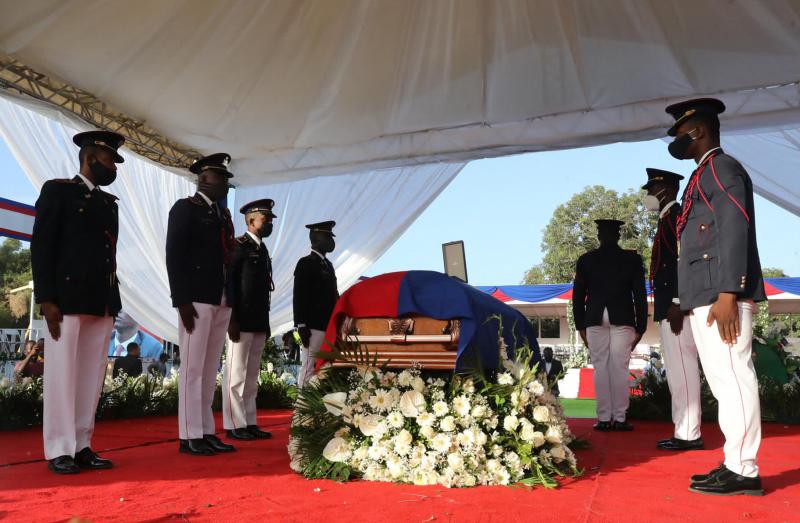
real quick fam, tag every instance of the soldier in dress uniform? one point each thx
(315, 295)
(73, 256)
(677, 342)
(251, 281)
(609, 304)
(719, 281)
(200, 247)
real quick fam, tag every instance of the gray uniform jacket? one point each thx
(718, 251)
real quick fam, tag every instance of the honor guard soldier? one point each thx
(200, 247)
(73, 256)
(609, 304)
(315, 295)
(250, 277)
(677, 342)
(719, 281)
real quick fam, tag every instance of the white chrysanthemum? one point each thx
(515, 399)
(492, 422)
(412, 403)
(404, 379)
(466, 438)
(376, 452)
(538, 439)
(334, 402)
(493, 464)
(461, 405)
(553, 434)
(505, 379)
(558, 453)
(501, 476)
(337, 450)
(480, 437)
(527, 433)
(468, 480)
(541, 414)
(440, 408)
(395, 419)
(448, 424)
(510, 422)
(497, 451)
(380, 401)
(441, 443)
(418, 384)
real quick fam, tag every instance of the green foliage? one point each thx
(572, 232)
(21, 403)
(773, 272)
(15, 271)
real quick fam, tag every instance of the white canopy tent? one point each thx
(364, 89)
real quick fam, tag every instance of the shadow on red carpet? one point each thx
(626, 479)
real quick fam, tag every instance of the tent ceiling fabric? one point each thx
(295, 89)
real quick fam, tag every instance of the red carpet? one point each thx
(626, 479)
(586, 385)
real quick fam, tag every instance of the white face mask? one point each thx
(651, 202)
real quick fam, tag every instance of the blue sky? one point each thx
(500, 206)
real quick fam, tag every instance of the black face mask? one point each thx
(548, 358)
(266, 230)
(214, 191)
(679, 147)
(102, 175)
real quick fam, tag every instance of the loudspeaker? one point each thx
(455, 262)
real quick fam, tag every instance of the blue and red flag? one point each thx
(16, 219)
(436, 295)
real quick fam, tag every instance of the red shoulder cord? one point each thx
(686, 198)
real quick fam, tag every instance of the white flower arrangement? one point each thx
(386, 426)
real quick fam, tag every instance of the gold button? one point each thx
(80, 210)
(67, 278)
(705, 256)
(703, 227)
(741, 286)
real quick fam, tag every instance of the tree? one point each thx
(15, 271)
(773, 272)
(572, 231)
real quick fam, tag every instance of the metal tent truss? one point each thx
(140, 138)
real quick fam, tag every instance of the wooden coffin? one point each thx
(402, 342)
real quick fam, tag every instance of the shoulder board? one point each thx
(64, 180)
(227, 212)
(196, 200)
(242, 239)
(109, 196)
(632, 251)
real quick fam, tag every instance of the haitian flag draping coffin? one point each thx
(428, 318)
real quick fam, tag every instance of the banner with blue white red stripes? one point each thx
(16, 219)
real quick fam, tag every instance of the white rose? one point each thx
(369, 425)
(537, 439)
(418, 384)
(448, 424)
(553, 434)
(427, 431)
(455, 461)
(510, 422)
(404, 378)
(478, 411)
(337, 450)
(412, 403)
(541, 414)
(441, 443)
(425, 419)
(335, 402)
(536, 388)
(558, 453)
(440, 408)
(505, 379)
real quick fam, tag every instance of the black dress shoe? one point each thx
(241, 434)
(196, 447)
(217, 444)
(699, 478)
(622, 426)
(728, 483)
(603, 426)
(680, 444)
(258, 433)
(63, 465)
(87, 459)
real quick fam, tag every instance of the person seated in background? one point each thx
(130, 364)
(33, 364)
(554, 369)
(158, 368)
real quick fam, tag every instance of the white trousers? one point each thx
(308, 357)
(683, 378)
(73, 378)
(200, 353)
(610, 349)
(732, 378)
(240, 380)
